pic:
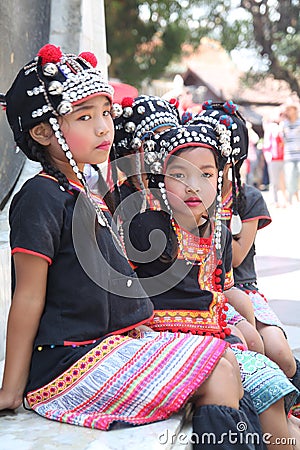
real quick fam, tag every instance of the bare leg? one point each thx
(253, 338)
(236, 332)
(275, 427)
(221, 388)
(241, 303)
(277, 348)
(230, 356)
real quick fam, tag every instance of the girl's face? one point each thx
(191, 184)
(89, 132)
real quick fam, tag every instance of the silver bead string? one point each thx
(163, 193)
(101, 218)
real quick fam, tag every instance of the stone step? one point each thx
(22, 429)
(50, 435)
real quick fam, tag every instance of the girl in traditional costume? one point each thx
(182, 254)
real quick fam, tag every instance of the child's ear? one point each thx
(42, 133)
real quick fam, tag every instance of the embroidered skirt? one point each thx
(262, 310)
(263, 379)
(137, 378)
(232, 316)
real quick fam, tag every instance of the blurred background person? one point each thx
(252, 159)
(291, 136)
(273, 149)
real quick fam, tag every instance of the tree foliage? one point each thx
(144, 36)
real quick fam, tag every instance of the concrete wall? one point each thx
(79, 25)
(24, 28)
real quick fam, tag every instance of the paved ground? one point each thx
(278, 266)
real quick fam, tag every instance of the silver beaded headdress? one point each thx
(136, 121)
(48, 86)
(227, 113)
(215, 136)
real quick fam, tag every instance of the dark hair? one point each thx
(192, 147)
(42, 156)
(241, 199)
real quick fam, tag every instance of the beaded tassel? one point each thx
(138, 170)
(236, 223)
(163, 193)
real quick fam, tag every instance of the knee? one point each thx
(221, 388)
(227, 368)
(287, 363)
(255, 343)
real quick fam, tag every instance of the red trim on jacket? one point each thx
(123, 330)
(268, 218)
(31, 252)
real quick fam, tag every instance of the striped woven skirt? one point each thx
(137, 378)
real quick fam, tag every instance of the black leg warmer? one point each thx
(222, 427)
(296, 378)
(292, 398)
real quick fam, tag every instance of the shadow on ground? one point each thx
(288, 311)
(275, 265)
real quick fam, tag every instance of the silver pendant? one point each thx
(100, 219)
(236, 224)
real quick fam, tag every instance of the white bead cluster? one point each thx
(78, 84)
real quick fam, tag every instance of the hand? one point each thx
(144, 328)
(9, 401)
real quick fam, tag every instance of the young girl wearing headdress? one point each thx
(183, 257)
(76, 349)
(245, 204)
(136, 121)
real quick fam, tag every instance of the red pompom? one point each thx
(89, 57)
(50, 54)
(174, 101)
(241, 347)
(227, 331)
(226, 120)
(222, 335)
(127, 101)
(219, 271)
